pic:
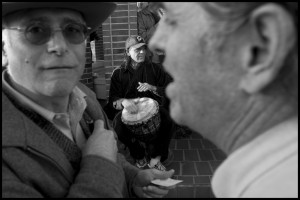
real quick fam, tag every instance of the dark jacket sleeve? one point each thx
(146, 25)
(162, 79)
(115, 91)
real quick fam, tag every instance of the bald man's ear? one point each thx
(273, 35)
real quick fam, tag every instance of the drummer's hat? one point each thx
(134, 42)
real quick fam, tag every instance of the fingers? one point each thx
(163, 174)
(130, 106)
(132, 109)
(143, 87)
(155, 192)
(99, 125)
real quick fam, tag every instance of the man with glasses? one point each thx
(235, 71)
(56, 139)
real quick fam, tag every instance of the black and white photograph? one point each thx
(150, 99)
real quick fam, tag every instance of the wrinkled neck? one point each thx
(261, 115)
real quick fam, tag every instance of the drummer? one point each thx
(139, 77)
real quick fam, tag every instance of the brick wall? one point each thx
(116, 29)
(109, 49)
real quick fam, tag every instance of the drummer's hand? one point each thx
(101, 143)
(130, 105)
(143, 187)
(118, 104)
(143, 87)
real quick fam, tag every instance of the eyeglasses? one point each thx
(74, 33)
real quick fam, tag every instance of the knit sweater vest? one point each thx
(71, 150)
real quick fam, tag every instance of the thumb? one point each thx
(163, 174)
(99, 125)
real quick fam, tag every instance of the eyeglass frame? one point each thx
(86, 30)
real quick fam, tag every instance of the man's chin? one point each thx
(59, 89)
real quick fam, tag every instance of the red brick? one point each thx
(132, 19)
(118, 57)
(120, 14)
(106, 27)
(118, 45)
(106, 33)
(108, 57)
(107, 63)
(118, 63)
(106, 45)
(106, 39)
(107, 20)
(119, 32)
(109, 70)
(107, 51)
(122, 7)
(133, 6)
(120, 38)
(133, 26)
(119, 20)
(118, 51)
(120, 26)
(133, 32)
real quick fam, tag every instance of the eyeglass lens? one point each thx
(40, 34)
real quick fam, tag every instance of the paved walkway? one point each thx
(195, 160)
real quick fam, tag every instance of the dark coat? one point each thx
(147, 23)
(33, 165)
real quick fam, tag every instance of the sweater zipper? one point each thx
(46, 157)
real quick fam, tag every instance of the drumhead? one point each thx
(147, 108)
